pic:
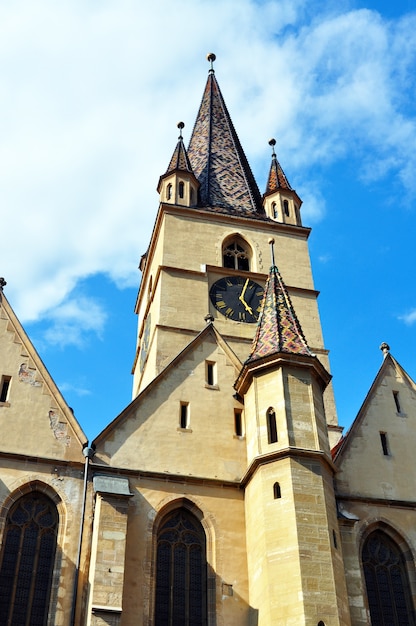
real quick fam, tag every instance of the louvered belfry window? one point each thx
(388, 590)
(27, 560)
(181, 572)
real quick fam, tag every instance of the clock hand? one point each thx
(241, 298)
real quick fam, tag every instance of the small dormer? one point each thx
(281, 202)
(179, 185)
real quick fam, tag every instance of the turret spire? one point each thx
(217, 158)
(278, 327)
(277, 178)
(180, 159)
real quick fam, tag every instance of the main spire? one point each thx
(217, 158)
(278, 328)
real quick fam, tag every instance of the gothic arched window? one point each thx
(181, 571)
(388, 590)
(27, 560)
(236, 255)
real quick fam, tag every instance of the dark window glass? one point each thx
(276, 491)
(271, 426)
(238, 423)
(384, 444)
(181, 189)
(286, 207)
(388, 591)
(397, 401)
(210, 374)
(235, 256)
(4, 389)
(27, 560)
(181, 572)
(184, 416)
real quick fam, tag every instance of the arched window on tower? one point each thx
(271, 426)
(286, 207)
(236, 254)
(27, 560)
(387, 583)
(169, 192)
(181, 571)
(277, 491)
(181, 189)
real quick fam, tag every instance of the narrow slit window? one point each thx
(384, 444)
(181, 189)
(238, 422)
(271, 426)
(397, 401)
(184, 415)
(4, 388)
(276, 491)
(210, 373)
(274, 210)
(168, 192)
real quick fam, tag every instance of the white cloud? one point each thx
(409, 318)
(72, 320)
(77, 390)
(91, 95)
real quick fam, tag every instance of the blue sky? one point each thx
(89, 100)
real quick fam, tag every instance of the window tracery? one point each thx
(27, 560)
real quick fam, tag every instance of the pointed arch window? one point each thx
(236, 254)
(181, 187)
(181, 571)
(271, 426)
(387, 583)
(27, 560)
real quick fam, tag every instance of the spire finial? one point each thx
(385, 348)
(271, 243)
(2, 283)
(180, 125)
(211, 58)
(272, 143)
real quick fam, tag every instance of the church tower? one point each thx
(211, 235)
(245, 466)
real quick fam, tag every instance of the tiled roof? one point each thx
(218, 160)
(277, 178)
(278, 328)
(180, 159)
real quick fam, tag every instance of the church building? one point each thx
(225, 493)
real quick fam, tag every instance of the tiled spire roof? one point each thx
(217, 158)
(180, 159)
(278, 328)
(277, 178)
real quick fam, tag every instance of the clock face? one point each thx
(238, 298)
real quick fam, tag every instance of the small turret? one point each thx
(280, 201)
(178, 185)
